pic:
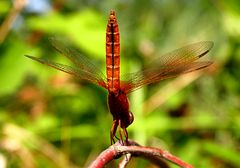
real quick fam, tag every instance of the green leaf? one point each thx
(86, 29)
(217, 150)
(13, 66)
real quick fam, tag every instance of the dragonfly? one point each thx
(172, 64)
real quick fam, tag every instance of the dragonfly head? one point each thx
(130, 119)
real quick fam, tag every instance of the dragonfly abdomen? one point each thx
(112, 53)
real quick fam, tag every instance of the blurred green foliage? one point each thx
(50, 119)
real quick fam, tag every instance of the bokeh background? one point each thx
(51, 119)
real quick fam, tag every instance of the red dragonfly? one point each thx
(174, 63)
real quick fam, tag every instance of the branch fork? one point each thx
(154, 155)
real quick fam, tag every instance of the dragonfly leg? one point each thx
(125, 134)
(116, 137)
(120, 134)
(123, 129)
(113, 131)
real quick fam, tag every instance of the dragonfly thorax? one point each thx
(119, 107)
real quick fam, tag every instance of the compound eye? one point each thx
(127, 121)
(130, 117)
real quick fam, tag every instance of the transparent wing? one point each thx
(185, 54)
(84, 69)
(84, 75)
(80, 61)
(172, 64)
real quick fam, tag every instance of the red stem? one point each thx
(155, 155)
